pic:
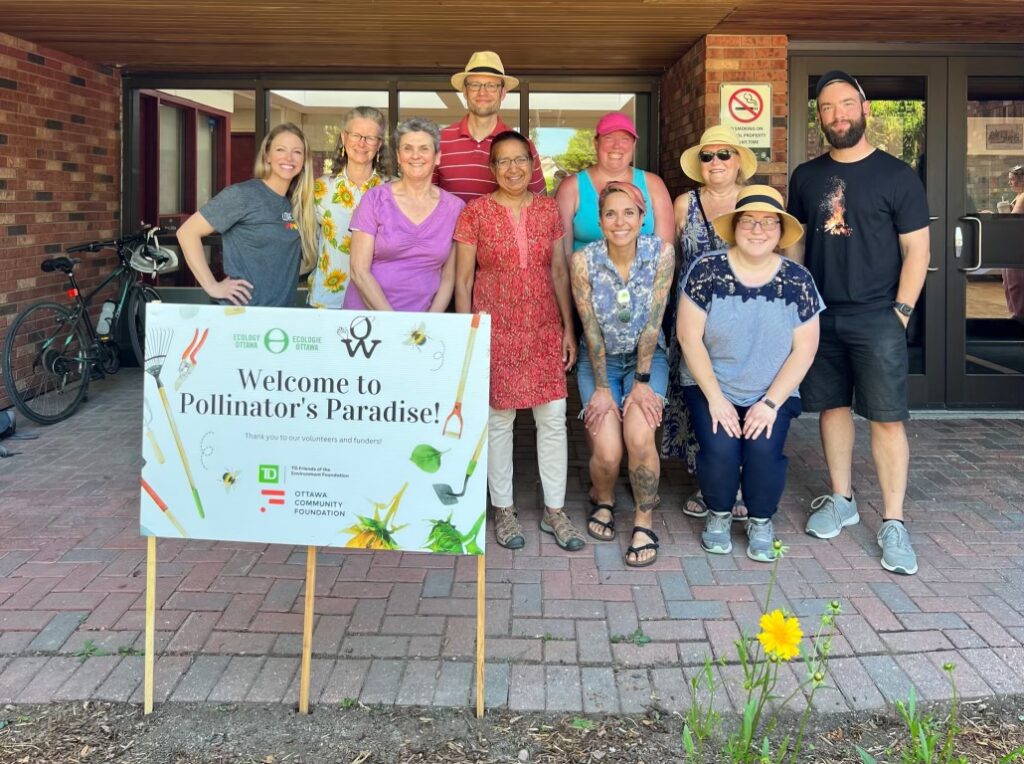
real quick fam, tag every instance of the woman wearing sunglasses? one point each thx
(361, 161)
(748, 328)
(721, 165)
(509, 263)
(621, 284)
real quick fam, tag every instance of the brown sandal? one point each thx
(507, 530)
(558, 524)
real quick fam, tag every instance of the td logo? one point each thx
(276, 341)
(270, 473)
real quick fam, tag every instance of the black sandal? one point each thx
(592, 518)
(636, 550)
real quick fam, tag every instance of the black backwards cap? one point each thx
(837, 75)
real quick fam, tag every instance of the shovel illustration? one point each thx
(444, 491)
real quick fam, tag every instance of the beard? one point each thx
(478, 110)
(850, 138)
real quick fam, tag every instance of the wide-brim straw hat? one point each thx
(760, 199)
(485, 62)
(719, 134)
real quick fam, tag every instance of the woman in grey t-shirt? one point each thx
(748, 328)
(267, 226)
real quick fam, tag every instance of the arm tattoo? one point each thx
(581, 292)
(648, 340)
(645, 488)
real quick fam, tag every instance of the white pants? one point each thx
(552, 453)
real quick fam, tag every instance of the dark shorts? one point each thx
(861, 362)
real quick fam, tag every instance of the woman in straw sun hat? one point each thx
(721, 164)
(748, 328)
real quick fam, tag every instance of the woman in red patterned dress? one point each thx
(510, 264)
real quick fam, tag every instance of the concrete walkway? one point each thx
(397, 628)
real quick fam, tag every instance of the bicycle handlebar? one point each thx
(95, 246)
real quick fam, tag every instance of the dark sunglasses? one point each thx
(723, 154)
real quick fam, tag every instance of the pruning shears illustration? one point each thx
(188, 358)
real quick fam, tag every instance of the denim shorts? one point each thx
(620, 374)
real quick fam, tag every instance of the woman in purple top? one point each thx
(402, 248)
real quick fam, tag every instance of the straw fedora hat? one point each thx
(484, 62)
(690, 161)
(760, 199)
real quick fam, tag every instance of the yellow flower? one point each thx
(325, 261)
(344, 197)
(329, 229)
(377, 532)
(780, 636)
(319, 189)
(335, 281)
(346, 244)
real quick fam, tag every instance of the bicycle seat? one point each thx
(64, 264)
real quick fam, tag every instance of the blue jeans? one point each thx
(620, 370)
(725, 462)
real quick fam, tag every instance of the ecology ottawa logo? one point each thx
(276, 341)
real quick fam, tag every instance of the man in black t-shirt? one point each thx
(866, 217)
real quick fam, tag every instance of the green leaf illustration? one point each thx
(427, 458)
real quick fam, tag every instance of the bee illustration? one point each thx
(417, 337)
(229, 478)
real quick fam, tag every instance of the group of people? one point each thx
(705, 318)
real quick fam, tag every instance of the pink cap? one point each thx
(613, 121)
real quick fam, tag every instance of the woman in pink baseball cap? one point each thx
(614, 143)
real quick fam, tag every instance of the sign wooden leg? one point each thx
(307, 630)
(481, 623)
(150, 623)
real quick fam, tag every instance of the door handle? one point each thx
(932, 218)
(977, 247)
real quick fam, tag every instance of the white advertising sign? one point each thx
(316, 427)
(747, 109)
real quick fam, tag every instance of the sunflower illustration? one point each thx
(324, 264)
(780, 636)
(346, 244)
(377, 532)
(335, 281)
(344, 197)
(319, 189)
(329, 228)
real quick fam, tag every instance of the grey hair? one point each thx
(418, 125)
(383, 162)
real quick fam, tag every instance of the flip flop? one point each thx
(695, 498)
(636, 550)
(592, 518)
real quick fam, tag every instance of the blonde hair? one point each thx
(300, 191)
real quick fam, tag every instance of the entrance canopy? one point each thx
(617, 36)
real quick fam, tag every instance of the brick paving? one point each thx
(395, 628)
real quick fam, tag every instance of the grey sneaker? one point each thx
(897, 554)
(716, 537)
(760, 539)
(832, 513)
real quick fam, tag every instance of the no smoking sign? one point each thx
(746, 108)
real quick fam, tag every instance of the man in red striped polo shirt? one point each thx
(466, 145)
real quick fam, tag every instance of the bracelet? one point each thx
(641, 377)
(769, 403)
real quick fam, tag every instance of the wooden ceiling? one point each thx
(620, 36)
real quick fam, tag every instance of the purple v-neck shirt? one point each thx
(407, 257)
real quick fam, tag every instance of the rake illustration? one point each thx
(159, 341)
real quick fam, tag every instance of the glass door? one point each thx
(907, 120)
(985, 281)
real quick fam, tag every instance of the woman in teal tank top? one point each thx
(614, 143)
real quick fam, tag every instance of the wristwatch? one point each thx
(902, 307)
(641, 377)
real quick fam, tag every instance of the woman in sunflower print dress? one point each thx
(361, 162)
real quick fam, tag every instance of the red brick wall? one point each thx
(60, 169)
(690, 102)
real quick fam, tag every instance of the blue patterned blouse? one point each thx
(623, 308)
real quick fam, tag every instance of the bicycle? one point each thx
(53, 351)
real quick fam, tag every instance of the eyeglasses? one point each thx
(767, 224)
(506, 162)
(487, 87)
(369, 140)
(622, 299)
(723, 155)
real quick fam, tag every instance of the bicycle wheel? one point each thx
(135, 318)
(46, 366)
